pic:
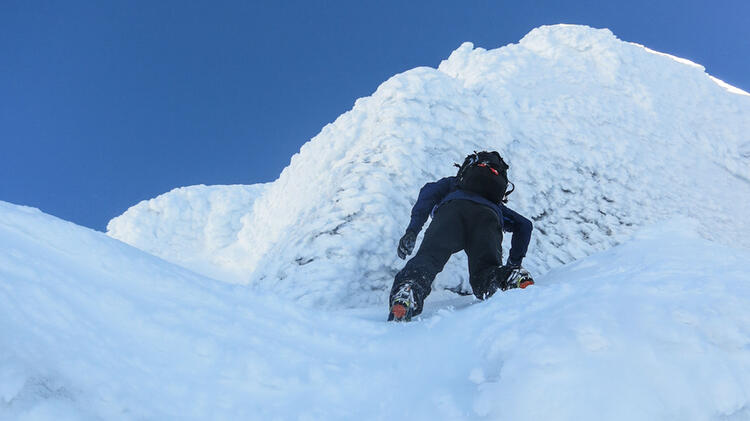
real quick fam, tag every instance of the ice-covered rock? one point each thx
(603, 136)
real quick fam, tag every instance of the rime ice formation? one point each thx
(602, 136)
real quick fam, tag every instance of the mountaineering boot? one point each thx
(518, 277)
(501, 278)
(402, 304)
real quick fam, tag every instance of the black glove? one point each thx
(406, 244)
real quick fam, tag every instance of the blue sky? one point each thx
(106, 103)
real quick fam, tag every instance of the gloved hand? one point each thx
(406, 244)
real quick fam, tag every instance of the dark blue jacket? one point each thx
(432, 195)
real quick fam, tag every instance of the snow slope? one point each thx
(603, 137)
(656, 328)
(193, 226)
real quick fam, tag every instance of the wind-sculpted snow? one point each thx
(95, 329)
(602, 136)
(192, 226)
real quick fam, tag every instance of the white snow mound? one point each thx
(194, 226)
(602, 136)
(656, 328)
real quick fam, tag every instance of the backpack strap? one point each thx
(507, 193)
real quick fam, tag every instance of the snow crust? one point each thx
(656, 328)
(602, 136)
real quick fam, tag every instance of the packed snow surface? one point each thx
(602, 136)
(657, 328)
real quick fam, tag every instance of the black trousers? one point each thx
(457, 225)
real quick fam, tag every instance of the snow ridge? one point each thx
(95, 329)
(194, 226)
(602, 136)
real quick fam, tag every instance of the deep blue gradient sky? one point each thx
(106, 103)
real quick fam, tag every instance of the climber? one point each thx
(468, 213)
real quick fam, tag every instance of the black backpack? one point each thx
(486, 174)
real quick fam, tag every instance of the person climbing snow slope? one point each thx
(468, 213)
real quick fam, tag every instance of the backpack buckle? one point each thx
(484, 165)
